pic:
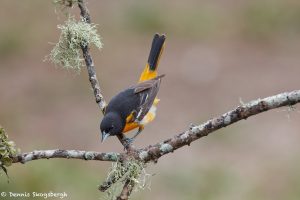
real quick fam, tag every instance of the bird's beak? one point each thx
(104, 136)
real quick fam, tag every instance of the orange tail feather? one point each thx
(150, 71)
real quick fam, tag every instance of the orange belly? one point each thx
(130, 126)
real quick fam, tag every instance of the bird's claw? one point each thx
(127, 142)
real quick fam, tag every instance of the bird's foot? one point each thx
(127, 142)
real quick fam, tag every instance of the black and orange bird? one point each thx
(135, 106)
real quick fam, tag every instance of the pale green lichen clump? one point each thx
(132, 170)
(74, 35)
(7, 150)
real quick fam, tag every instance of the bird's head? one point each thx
(110, 125)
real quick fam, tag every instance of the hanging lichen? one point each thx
(74, 35)
(132, 171)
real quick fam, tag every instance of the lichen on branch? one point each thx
(131, 171)
(7, 150)
(74, 35)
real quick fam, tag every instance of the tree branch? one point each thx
(58, 153)
(154, 152)
(89, 61)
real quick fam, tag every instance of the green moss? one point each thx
(7, 150)
(132, 170)
(74, 35)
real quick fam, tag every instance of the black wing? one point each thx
(136, 100)
(147, 92)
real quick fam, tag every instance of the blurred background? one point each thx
(217, 53)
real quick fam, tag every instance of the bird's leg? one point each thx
(141, 128)
(126, 142)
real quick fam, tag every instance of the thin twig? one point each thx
(126, 191)
(112, 179)
(89, 61)
(124, 160)
(84, 12)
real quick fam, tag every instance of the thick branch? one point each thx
(58, 153)
(89, 61)
(154, 152)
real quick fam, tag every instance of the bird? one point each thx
(135, 106)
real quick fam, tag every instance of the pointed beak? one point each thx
(104, 136)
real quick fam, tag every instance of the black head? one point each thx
(111, 125)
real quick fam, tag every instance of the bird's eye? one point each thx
(110, 128)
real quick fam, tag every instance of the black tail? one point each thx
(156, 50)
